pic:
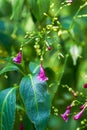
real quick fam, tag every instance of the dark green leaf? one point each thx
(82, 78)
(7, 108)
(8, 67)
(27, 123)
(6, 40)
(34, 68)
(36, 99)
(5, 7)
(39, 7)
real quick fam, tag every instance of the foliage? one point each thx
(43, 56)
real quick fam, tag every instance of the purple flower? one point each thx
(18, 58)
(21, 126)
(85, 85)
(65, 115)
(77, 116)
(41, 76)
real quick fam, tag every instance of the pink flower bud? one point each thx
(81, 107)
(85, 85)
(18, 58)
(41, 76)
(49, 48)
(69, 107)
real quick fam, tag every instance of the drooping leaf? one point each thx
(17, 8)
(38, 7)
(5, 8)
(36, 99)
(9, 67)
(34, 68)
(7, 108)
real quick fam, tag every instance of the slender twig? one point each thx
(61, 7)
(27, 42)
(76, 15)
(66, 57)
(59, 81)
(82, 16)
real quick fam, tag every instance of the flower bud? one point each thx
(85, 85)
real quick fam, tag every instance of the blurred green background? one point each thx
(17, 17)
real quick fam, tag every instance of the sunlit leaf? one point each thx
(39, 7)
(36, 99)
(16, 8)
(7, 108)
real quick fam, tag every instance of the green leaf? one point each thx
(5, 8)
(38, 7)
(36, 100)
(7, 108)
(5, 39)
(17, 6)
(34, 68)
(82, 76)
(9, 67)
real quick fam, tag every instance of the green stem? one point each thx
(61, 7)
(27, 42)
(59, 81)
(20, 108)
(63, 70)
(76, 15)
(21, 72)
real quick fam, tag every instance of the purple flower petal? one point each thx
(41, 76)
(18, 58)
(77, 116)
(65, 115)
